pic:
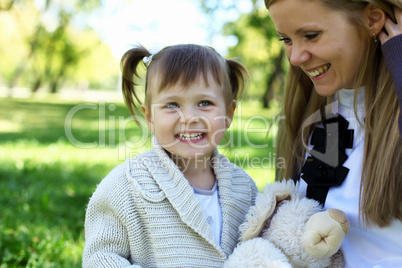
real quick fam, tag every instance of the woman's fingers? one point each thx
(392, 29)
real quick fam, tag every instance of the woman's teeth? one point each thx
(319, 71)
(192, 136)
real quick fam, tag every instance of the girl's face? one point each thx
(189, 122)
(320, 41)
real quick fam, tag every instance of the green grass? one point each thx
(47, 176)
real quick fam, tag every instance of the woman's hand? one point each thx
(392, 29)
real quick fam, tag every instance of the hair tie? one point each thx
(147, 60)
(154, 49)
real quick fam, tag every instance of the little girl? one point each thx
(179, 204)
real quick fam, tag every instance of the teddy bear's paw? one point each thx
(257, 253)
(341, 218)
(323, 235)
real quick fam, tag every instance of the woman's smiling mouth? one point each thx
(319, 71)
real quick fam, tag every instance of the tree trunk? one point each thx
(23, 64)
(36, 85)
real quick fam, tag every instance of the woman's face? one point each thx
(320, 41)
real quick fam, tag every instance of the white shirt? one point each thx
(209, 201)
(363, 246)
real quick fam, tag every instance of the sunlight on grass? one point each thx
(47, 179)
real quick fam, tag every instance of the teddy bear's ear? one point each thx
(261, 213)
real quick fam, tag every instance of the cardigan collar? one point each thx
(181, 195)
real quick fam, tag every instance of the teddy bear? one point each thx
(286, 229)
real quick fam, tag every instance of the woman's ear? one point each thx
(148, 117)
(376, 18)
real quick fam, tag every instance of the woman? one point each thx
(345, 78)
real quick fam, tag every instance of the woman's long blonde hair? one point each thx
(381, 181)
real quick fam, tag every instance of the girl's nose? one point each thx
(298, 54)
(189, 116)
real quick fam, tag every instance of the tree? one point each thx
(58, 53)
(51, 51)
(257, 47)
(6, 5)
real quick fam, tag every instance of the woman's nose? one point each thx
(298, 54)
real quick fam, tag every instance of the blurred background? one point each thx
(63, 123)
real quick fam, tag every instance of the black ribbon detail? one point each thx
(323, 169)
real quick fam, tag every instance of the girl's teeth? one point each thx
(193, 136)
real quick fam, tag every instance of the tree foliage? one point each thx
(48, 49)
(257, 46)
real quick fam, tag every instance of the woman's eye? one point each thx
(172, 105)
(312, 36)
(285, 40)
(205, 103)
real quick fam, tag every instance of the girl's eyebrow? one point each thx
(178, 96)
(207, 95)
(170, 97)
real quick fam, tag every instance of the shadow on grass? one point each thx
(43, 208)
(48, 122)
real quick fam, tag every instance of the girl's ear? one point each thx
(376, 18)
(148, 117)
(230, 113)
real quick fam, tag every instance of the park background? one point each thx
(63, 123)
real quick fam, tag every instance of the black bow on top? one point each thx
(323, 169)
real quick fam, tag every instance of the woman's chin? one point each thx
(325, 91)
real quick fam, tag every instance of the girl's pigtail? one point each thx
(238, 76)
(128, 65)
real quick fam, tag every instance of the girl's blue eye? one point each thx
(172, 105)
(205, 103)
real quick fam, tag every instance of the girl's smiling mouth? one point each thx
(190, 136)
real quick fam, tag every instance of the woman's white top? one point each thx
(368, 246)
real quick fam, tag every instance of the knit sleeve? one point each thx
(392, 50)
(106, 238)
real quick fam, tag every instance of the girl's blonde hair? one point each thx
(183, 64)
(381, 181)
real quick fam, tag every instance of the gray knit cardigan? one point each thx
(145, 214)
